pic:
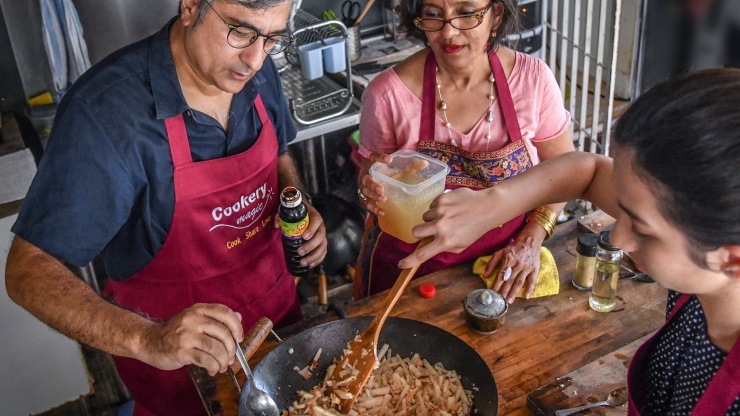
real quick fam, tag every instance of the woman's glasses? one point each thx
(467, 22)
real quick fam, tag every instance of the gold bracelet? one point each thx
(545, 217)
(535, 218)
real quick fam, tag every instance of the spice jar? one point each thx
(585, 261)
(485, 310)
(604, 290)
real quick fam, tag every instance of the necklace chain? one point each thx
(443, 107)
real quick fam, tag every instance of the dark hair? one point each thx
(251, 4)
(685, 138)
(411, 9)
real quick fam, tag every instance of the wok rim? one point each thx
(485, 393)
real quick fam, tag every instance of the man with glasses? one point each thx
(167, 160)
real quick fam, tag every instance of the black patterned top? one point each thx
(683, 362)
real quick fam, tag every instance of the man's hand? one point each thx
(202, 334)
(315, 246)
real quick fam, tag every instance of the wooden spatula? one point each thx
(361, 355)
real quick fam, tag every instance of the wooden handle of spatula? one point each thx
(397, 290)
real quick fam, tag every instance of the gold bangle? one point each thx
(548, 213)
(543, 224)
(545, 217)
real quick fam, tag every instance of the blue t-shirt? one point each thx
(105, 184)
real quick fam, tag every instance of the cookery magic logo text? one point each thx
(247, 209)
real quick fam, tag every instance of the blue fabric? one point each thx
(105, 185)
(65, 46)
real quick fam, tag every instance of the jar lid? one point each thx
(485, 303)
(587, 244)
(604, 243)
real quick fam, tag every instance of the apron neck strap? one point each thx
(429, 98)
(178, 135)
(178, 138)
(504, 96)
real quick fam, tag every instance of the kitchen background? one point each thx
(616, 48)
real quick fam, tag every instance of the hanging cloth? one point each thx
(63, 41)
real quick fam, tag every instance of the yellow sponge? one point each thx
(548, 280)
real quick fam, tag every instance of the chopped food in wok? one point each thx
(399, 386)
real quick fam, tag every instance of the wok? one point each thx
(275, 373)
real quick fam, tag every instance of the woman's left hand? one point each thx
(523, 257)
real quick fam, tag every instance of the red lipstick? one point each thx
(451, 48)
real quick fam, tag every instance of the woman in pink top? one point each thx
(485, 110)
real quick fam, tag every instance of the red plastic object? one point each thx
(427, 290)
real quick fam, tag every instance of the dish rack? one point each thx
(321, 99)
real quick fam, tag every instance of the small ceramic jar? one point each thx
(485, 310)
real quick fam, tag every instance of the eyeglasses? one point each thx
(467, 22)
(240, 37)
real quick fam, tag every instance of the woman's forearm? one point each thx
(457, 219)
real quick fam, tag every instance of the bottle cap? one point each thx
(587, 244)
(290, 197)
(604, 243)
(427, 290)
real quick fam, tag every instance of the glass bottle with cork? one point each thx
(293, 223)
(604, 290)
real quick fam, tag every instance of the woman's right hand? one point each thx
(370, 191)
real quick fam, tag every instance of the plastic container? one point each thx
(42, 118)
(411, 182)
(327, 55)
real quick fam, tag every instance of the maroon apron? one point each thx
(379, 257)
(720, 394)
(222, 247)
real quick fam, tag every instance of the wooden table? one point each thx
(541, 340)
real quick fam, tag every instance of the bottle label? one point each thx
(294, 229)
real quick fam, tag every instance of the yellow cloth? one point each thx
(548, 280)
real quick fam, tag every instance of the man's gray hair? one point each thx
(251, 4)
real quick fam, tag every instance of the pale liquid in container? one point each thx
(405, 212)
(401, 217)
(604, 290)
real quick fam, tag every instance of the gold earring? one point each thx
(493, 33)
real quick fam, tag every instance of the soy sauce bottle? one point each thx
(293, 222)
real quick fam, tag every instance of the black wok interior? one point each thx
(275, 373)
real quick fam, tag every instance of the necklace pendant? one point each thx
(453, 142)
(490, 116)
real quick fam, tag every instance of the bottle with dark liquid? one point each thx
(293, 222)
